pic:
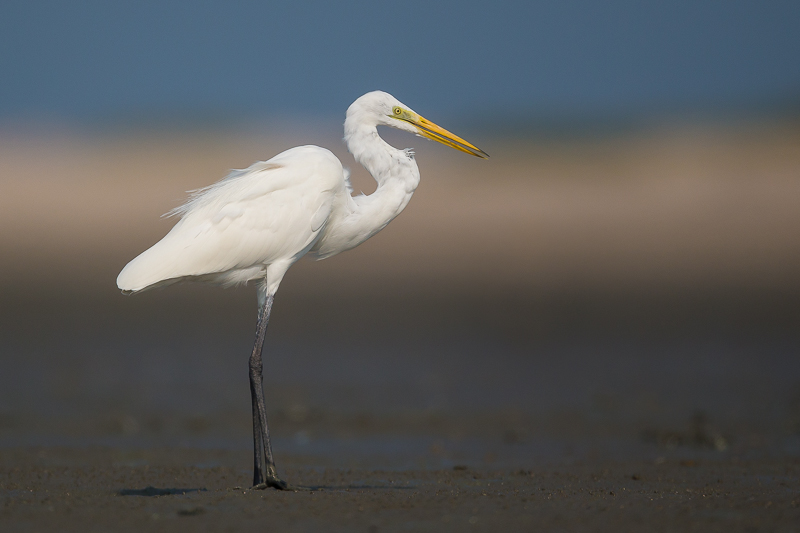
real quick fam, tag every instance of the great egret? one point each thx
(254, 224)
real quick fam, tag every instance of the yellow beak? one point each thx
(436, 133)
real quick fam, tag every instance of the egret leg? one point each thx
(264, 475)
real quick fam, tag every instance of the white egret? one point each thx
(255, 223)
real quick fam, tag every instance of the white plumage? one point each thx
(230, 232)
(254, 224)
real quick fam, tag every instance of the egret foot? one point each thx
(278, 484)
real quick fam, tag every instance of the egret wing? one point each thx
(230, 231)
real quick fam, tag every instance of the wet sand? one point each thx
(169, 490)
(622, 357)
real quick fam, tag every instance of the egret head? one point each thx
(379, 108)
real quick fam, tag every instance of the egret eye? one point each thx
(397, 111)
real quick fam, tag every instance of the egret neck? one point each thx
(363, 216)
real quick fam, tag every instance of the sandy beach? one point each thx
(579, 334)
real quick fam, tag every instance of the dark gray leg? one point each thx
(264, 475)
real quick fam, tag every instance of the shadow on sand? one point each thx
(153, 491)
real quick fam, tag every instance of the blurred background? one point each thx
(620, 277)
